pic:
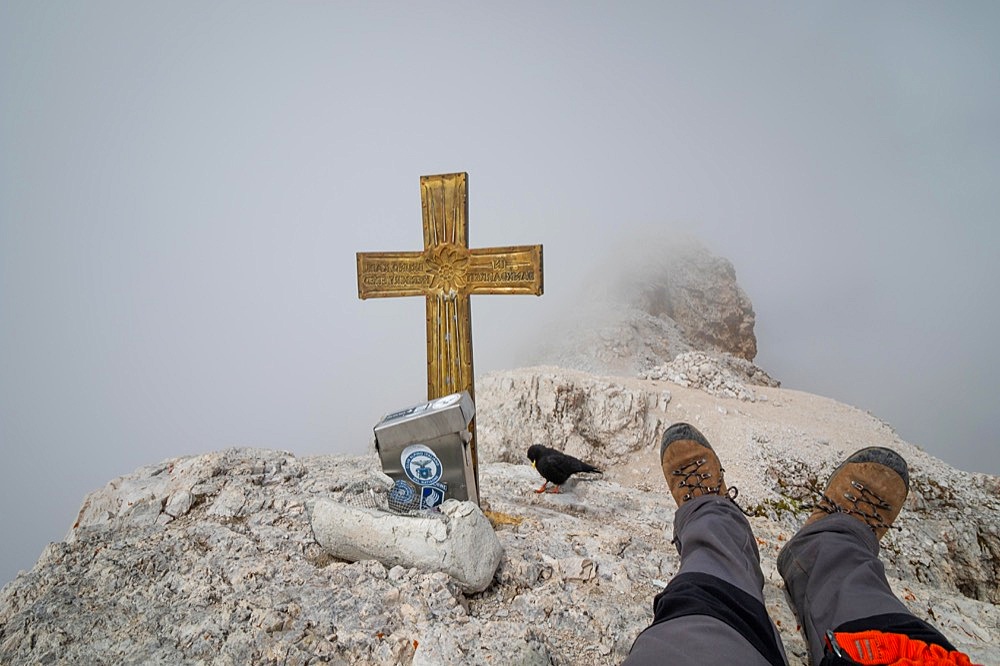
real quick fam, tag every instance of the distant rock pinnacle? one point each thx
(673, 297)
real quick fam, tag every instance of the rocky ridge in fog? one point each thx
(211, 559)
(671, 296)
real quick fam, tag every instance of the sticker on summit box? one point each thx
(431, 496)
(446, 401)
(402, 493)
(409, 411)
(421, 465)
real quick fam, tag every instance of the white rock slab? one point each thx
(461, 543)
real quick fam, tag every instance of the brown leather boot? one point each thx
(870, 485)
(689, 464)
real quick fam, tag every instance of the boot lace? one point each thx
(695, 480)
(864, 503)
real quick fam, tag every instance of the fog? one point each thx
(183, 188)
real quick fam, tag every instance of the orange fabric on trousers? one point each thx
(875, 648)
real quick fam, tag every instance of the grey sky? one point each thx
(183, 187)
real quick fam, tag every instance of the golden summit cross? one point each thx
(447, 272)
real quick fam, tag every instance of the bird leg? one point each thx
(542, 489)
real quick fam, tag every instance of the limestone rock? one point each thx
(699, 291)
(238, 577)
(592, 418)
(672, 296)
(720, 375)
(459, 541)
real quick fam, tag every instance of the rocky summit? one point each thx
(212, 559)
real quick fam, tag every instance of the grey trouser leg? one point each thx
(714, 538)
(833, 575)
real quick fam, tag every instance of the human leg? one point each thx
(831, 569)
(713, 609)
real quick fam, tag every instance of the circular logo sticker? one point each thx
(421, 465)
(401, 493)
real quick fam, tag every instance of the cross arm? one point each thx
(505, 270)
(386, 274)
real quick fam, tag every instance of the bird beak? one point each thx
(533, 463)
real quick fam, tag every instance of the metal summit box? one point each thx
(424, 449)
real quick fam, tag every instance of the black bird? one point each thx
(555, 466)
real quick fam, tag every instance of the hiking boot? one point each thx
(871, 485)
(689, 464)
